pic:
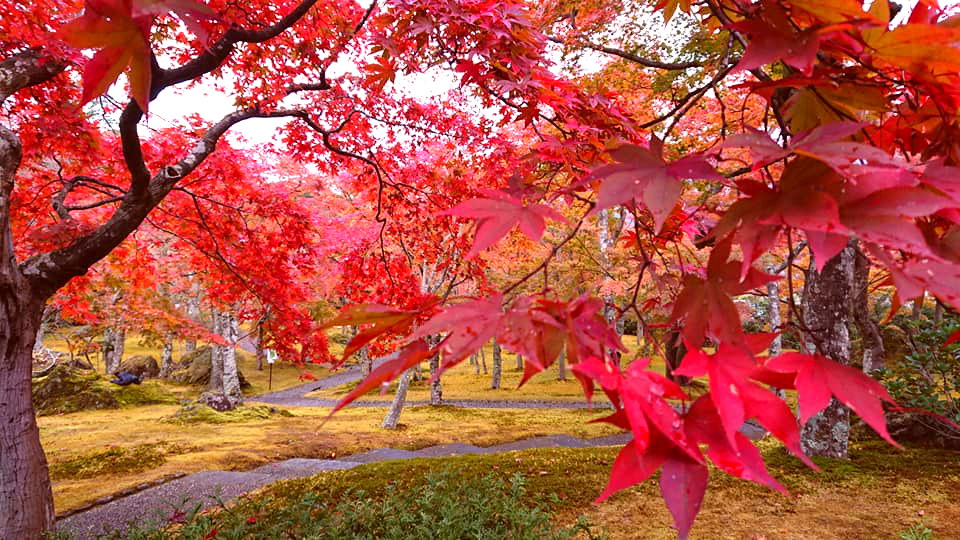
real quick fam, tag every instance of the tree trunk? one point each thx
(497, 366)
(231, 376)
(483, 360)
(872, 342)
(113, 351)
(773, 316)
(562, 365)
(366, 363)
(166, 357)
(261, 355)
(676, 349)
(193, 313)
(826, 314)
(216, 357)
(937, 314)
(519, 362)
(393, 415)
(918, 307)
(26, 501)
(436, 389)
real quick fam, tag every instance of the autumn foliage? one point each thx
(782, 121)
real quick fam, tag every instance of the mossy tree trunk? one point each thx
(166, 357)
(497, 366)
(826, 315)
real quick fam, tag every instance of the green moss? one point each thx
(66, 390)
(198, 413)
(114, 461)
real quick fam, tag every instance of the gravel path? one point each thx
(296, 397)
(157, 505)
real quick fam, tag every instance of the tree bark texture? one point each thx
(366, 362)
(497, 366)
(396, 407)
(166, 357)
(872, 342)
(436, 387)
(826, 314)
(26, 500)
(261, 355)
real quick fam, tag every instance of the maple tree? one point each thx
(783, 119)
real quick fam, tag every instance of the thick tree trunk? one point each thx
(869, 331)
(231, 376)
(826, 314)
(393, 415)
(26, 501)
(497, 366)
(166, 357)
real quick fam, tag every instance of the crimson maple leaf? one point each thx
(641, 173)
(401, 360)
(382, 319)
(497, 213)
(817, 378)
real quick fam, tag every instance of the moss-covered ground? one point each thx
(249, 441)
(877, 493)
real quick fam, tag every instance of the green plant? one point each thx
(917, 532)
(928, 376)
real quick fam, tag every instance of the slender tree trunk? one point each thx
(562, 365)
(918, 307)
(872, 342)
(396, 407)
(937, 314)
(497, 366)
(261, 355)
(519, 362)
(436, 388)
(773, 316)
(216, 357)
(166, 358)
(193, 312)
(826, 314)
(483, 360)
